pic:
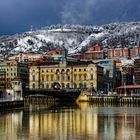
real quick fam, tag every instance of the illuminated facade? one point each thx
(12, 71)
(68, 75)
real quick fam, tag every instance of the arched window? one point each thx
(47, 85)
(33, 85)
(68, 85)
(63, 85)
(42, 85)
(80, 85)
(75, 85)
(85, 85)
(63, 71)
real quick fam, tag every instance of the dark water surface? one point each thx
(83, 121)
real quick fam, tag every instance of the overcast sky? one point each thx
(17, 16)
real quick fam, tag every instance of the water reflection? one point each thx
(71, 122)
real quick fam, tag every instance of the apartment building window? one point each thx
(79, 69)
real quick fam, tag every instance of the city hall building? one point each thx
(80, 74)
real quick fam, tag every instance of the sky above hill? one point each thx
(18, 16)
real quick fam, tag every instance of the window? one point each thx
(63, 71)
(33, 85)
(63, 77)
(68, 85)
(33, 77)
(51, 77)
(68, 77)
(85, 76)
(47, 85)
(42, 85)
(63, 85)
(85, 85)
(75, 85)
(47, 77)
(57, 77)
(91, 77)
(79, 69)
(42, 77)
(68, 71)
(80, 76)
(75, 76)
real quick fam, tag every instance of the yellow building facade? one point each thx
(11, 71)
(70, 75)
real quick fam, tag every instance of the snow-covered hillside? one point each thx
(72, 37)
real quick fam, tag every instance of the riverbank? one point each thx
(110, 99)
(9, 104)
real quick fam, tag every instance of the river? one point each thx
(84, 121)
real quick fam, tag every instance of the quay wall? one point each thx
(112, 99)
(11, 104)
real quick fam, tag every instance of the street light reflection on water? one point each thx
(83, 121)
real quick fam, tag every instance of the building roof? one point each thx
(129, 87)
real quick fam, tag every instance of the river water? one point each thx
(84, 121)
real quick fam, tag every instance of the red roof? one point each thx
(129, 87)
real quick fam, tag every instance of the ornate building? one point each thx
(12, 71)
(82, 74)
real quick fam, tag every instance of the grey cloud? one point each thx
(18, 15)
(76, 11)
